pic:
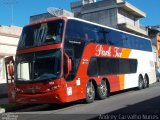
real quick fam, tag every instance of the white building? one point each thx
(9, 37)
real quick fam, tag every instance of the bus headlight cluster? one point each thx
(53, 88)
(18, 90)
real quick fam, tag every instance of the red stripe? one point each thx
(35, 49)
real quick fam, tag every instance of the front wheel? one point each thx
(102, 90)
(90, 93)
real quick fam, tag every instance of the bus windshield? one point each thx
(41, 34)
(38, 66)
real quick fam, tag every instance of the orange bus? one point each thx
(66, 59)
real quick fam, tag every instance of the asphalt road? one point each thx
(130, 104)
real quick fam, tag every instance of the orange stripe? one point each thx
(121, 81)
(125, 53)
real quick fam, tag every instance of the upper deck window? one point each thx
(41, 34)
(79, 32)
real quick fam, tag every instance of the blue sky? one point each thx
(23, 9)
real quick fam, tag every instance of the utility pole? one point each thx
(11, 4)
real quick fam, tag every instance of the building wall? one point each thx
(105, 17)
(76, 8)
(9, 37)
(158, 43)
(103, 12)
(158, 50)
(114, 13)
(2, 70)
(154, 35)
(45, 16)
(39, 17)
(125, 17)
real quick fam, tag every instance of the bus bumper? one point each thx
(44, 98)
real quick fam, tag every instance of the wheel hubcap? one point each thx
(140, 83)
(103, 89)
(145, 82)
(90, 92)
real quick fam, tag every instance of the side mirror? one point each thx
(67, 65)
(9, 65)
(10, 69)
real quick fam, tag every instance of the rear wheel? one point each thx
(140, 83)
(90, 93)
(102, 90)
(145, 82)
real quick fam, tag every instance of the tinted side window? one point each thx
(111, 66)
(127, 66)
(80, 31)
(114, 64)
(124, 66)
(74, 45)
(133, 65)
(104, 66)
(133, 42)
(108, 66)
(115, 38)
(93, 68)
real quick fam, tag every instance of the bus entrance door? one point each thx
(9, 66)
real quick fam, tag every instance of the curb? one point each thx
(13, 108)
(17, 107)
(2, 110)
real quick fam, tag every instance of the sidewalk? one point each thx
(5, 106)
(2, 102)
(2, 110)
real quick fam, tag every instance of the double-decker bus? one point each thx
(65, 59)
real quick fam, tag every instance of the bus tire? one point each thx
(90, 93)
(102, 90)
(145, 81)
(140, 83)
